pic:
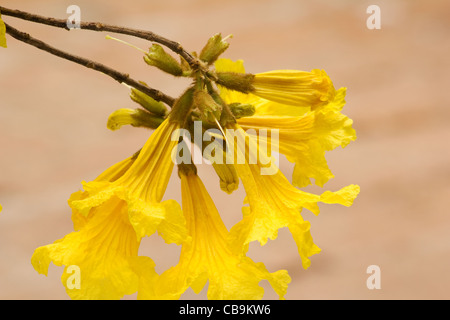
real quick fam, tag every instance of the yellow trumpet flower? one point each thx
(290, 87)
(111, 216)
(274, 203)
(209, 256)
(304, 135)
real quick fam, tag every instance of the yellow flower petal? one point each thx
(289, 87)
(109, 175)
(306, 248)
(104, 248)
(165, 217)
(133, 117)
(117, 170)
(305, 139)
(102, 251)
(111, 215)
(304, 136)
(297, 88)
(270, 108)
(265, 107)
(294, 133)
(274, 203)
(310, 164)
(142, 187)
(333, 128)
(345, 196)
(228, 65)
(208, 257)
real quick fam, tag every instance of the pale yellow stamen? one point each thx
(126, 43)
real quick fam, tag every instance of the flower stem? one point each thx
(116, 75)
(97, 26)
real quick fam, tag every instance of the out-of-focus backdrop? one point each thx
(53, 134)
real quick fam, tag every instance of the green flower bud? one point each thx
(242, 110)
(157, 57)
(208, 109)
(147, 102)
(185, 67)
(214, 48)
(214, 151)
(242, 82)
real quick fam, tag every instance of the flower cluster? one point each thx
(125, 203)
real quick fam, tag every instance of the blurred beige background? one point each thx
(53, 134)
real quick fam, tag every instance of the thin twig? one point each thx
(116, 75)
(97, 26)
